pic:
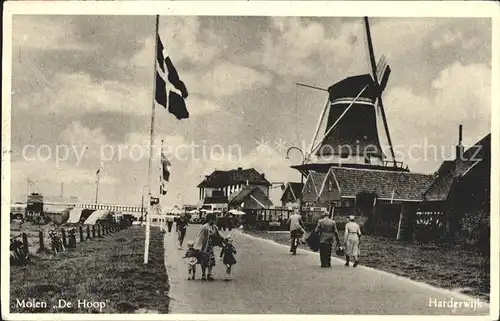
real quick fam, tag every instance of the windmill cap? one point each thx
(351, 87)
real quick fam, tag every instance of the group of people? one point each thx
(323, 237)
(201, 250)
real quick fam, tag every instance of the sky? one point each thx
(82, 96)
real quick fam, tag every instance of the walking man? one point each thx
(327, 229)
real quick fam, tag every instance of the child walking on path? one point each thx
(227, 255)
(191, 255)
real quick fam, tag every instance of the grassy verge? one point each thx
(108, 269)
(453, 268)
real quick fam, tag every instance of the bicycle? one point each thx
(296, 237)
(56, 242)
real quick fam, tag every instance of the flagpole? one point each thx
(162, 189)
(161, 169)
(151, 137)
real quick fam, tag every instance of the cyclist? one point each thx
(296, 230)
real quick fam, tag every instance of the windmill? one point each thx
(351, 137)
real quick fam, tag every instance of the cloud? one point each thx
(48, 171)
(183, 40)
(77, 134)
(78, 93)
(449, 37)
(42, 33)
(408, 33)
(225, 79)
(294, 45)
(174, 146)
(461, 94)
(199, 106)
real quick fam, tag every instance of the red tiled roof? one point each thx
(233, 177)
(406, 185)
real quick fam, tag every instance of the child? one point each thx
(227, 255)
(191, 255)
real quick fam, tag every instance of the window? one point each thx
(347, 203)
(330, 185)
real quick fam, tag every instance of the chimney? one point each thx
(240, 169)
(263, 176)
(459, 150)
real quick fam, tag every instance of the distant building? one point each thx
(218, 188)
(292, 194)
(250, 197)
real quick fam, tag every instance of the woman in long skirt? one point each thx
(352, 236)
(207, 238)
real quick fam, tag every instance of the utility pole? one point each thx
(98, 174)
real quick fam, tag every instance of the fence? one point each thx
(276, 219)
(402, 221)
(60, 242)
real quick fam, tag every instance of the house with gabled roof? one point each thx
(312, 188)
(341, 186)
(473, 164)
(292, 194)
(216, 190)
(250, 197)
(462, 186)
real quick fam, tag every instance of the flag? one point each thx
(177, 106)
(163, 190)
(165, 174)
(161, 92)
(173, 78)
(98, 171)
(176, 103)
(164, 167)
(159, 53)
